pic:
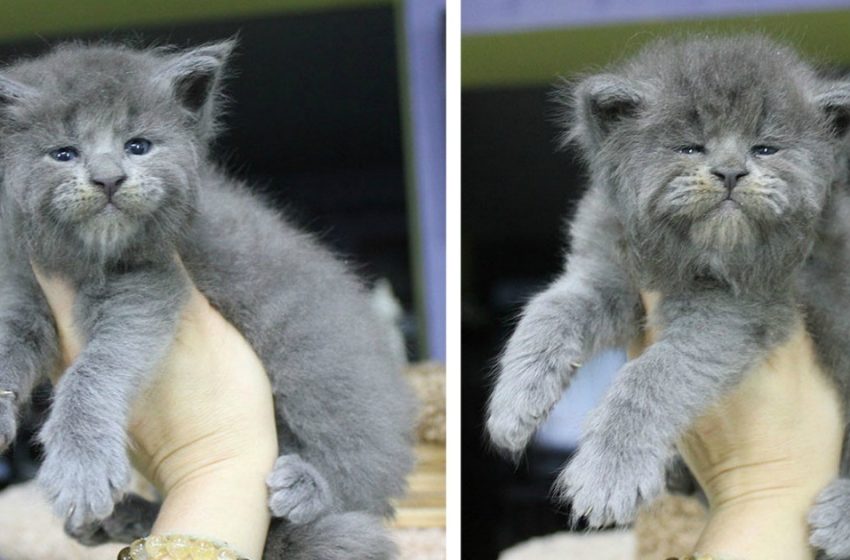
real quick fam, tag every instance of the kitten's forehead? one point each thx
(89, 87)
(745, 84)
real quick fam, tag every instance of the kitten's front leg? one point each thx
(28, 345)
(590, 307)
(708, 341)
(129, 324)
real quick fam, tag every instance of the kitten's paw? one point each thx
(83, 481)
(510, 430)
(829, 520)
(132, 518)
(517, 409)
(298, 492)
(608, 484)
(8, 423)
(89, 534)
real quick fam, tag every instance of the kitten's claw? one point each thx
(298, 492)
(607, 484)
(829, 520)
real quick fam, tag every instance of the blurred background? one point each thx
(337, 113)
(518, 191)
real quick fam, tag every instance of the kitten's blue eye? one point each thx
(690, 150)
(137, 146)
(64, 154)
(764, 150)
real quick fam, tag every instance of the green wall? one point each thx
(536, 58)
(25, 18)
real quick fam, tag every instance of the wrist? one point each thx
(229, 505)
(763, 527)
(759, 507)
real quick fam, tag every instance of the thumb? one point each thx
(60, 297)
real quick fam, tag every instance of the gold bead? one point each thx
(154, 547)
(204, 551)
(137, 550)
(226, 555)
(178, 548)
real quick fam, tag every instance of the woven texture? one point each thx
(429, 381)
(669, 529)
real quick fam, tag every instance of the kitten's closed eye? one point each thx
(138, 146)
(64, 154)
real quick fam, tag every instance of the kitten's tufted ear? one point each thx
(13, 94)
(834, 101)
(598, 104)
(194, 77)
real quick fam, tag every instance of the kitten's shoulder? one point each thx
(237, 218)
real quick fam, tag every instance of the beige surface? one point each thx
(425, 502)
(668, 529)
(608, 545)
(429, 382)
(31, 532)
(421, 544)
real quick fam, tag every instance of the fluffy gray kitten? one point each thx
(105, 175)
(718, 178)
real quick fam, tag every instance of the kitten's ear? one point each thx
(194, 76)
(598, 104)
(14, 93)
(834, 101)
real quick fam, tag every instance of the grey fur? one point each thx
(732, 274)
(132, 518)
(298, 491)
(334, 537)
(343, 408)
(829, 520)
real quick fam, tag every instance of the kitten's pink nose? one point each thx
(109, 184)
(729, 176)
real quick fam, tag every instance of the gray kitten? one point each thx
(105, 175)
(717, 174)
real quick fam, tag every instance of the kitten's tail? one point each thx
(339, 536)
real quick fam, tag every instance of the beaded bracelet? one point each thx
(698, 557)
(177, 547)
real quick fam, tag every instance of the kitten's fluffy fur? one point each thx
(662, 135)
(344, 413)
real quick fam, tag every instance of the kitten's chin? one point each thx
(724, 228)
(108, 232)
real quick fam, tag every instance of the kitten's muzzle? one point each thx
(729, 176)
(109, 185)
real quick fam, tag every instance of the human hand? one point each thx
(203, 431)
(764, 452)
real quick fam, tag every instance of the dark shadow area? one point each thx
(517, 190)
